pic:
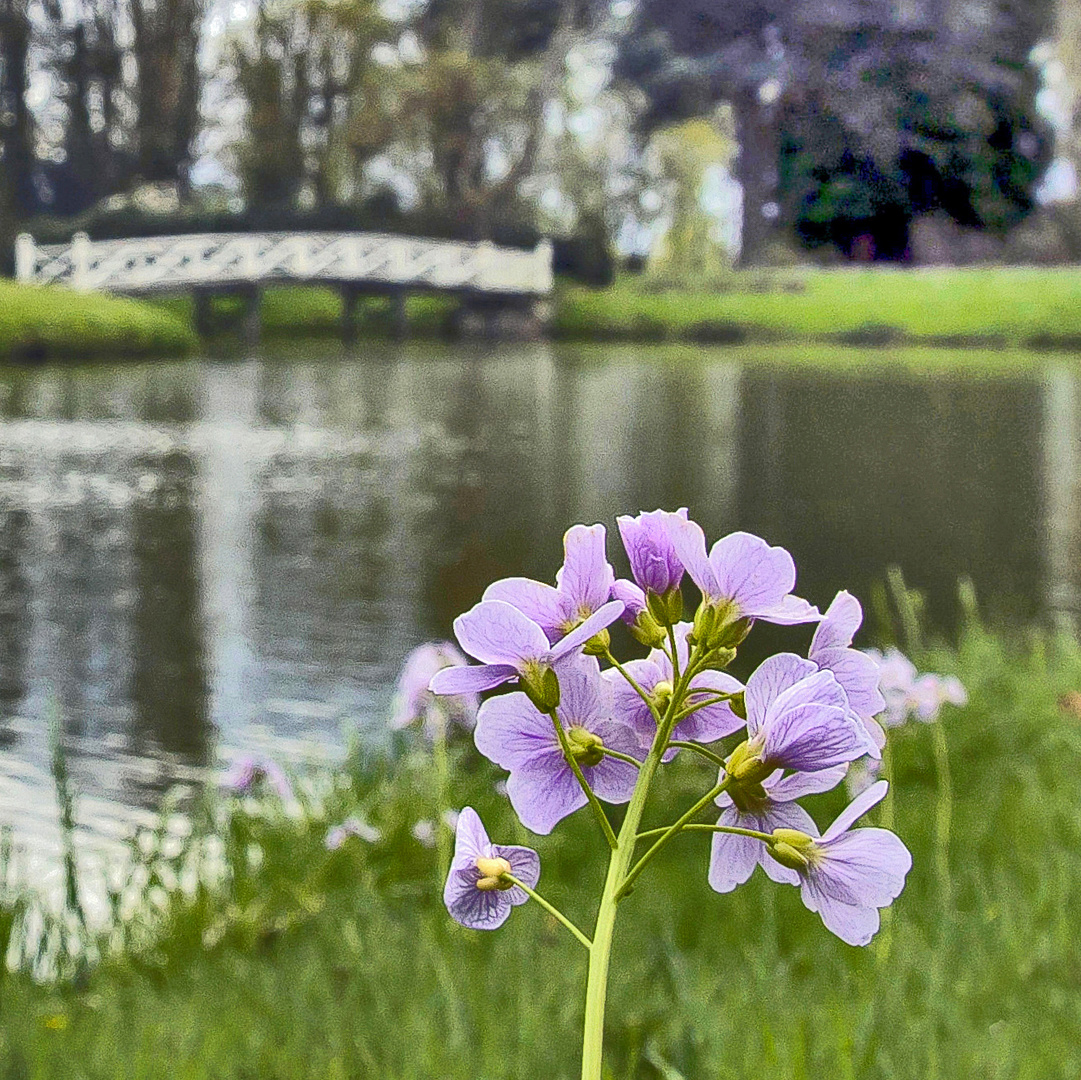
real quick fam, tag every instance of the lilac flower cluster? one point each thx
(571, 734)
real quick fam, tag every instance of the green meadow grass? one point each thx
(314, 964)
(43, 323)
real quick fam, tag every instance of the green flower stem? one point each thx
(442, 771)
(634, 685)
(766, 838)
(943, 815)
(695, 706)
(715, 758)
(621, 757)
(675, 654)
(551, 909)
(667, 835)
(594, 802)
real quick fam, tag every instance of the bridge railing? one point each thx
(175, 263)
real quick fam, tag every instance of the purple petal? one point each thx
(838, 626)
(510, 731)
(613, 780)
(750, 572)
(470, 839)
(854, 925)
(787, 815)
(857, 808)
(539, 602)
(524, 865)
(689, 543)
(865, 866)
(653, 559)
(603, 617)
(585, 578)
(472, 907)
(632, 597)
(543, 791)
(819, 688)
(858, 675)
(584, 697)
(496, 633)
(812, 737)
(732, 858)
(714, 721)
(796, 785)
(790, 611)
(472, 679)
(769, 680)
(627, 706)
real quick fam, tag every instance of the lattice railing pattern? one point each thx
(160, 264)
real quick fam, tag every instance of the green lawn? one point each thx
(42, 322)
(344, 964)
(1011, 307)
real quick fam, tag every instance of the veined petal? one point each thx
(712, 722)
(857, 808)
(853, 924)
(858, 675)
(524, 865)
(510, 731)
(537, 601)
(838, 626)
(470, 839)
(612, 780)
(586, 576)
(495, 632)
(690, 545)
(627, 706)
(543, 791)
(809, 738)
(864, 866)
(769, 680)
(732, 858)
(751, 573)
(472, 679)
(584, 697)
(603, 617)
(472, 907)
(784, 815)
(788, 611)
(796, 785)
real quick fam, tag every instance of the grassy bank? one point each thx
(317, 964)
(998, 307)
(43, 323)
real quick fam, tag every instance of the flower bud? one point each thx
(598, 644)
(541, 685)
(744, 766)
(586, 747)
(792, 848)
(719, 659)
(647, 630)
(666, 608)
(662, 696)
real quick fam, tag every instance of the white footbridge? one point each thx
(356, 264)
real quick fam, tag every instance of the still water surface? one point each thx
(203, 558)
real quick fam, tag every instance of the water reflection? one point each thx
(197, 558)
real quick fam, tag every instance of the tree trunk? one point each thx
(757, 171)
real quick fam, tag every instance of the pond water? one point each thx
(208, 557)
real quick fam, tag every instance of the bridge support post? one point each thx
(201, 301)
(350, 296)
(251, 325)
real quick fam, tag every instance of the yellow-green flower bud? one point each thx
(744, 766)
(647, 630)
(598, 644)
(666, 608)
(719, 659)
(540, 684)
(792, 848)
(662, 695)
(586, 748)
(492, 873)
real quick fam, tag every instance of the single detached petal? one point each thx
(472, 679)
(839, 625)
(537, 601)
(603, 617)
(496, 633)
(586, 577)
(654, 562)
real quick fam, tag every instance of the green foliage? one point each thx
(291, 961)
(40, 322)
